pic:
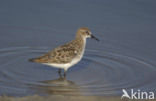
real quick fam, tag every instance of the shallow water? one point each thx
(123, 59)
(99, 73)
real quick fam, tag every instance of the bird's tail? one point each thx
(32, 60)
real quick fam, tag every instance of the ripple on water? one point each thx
(99, 73)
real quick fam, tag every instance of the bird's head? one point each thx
(86, 33)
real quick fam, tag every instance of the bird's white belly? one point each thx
(66, 65)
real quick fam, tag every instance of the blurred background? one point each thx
(124, 57)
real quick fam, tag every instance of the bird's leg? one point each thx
(59, 72)
(64, 74)
(65, 70)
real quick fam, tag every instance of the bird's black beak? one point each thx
(92, 36)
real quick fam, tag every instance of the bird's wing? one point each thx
(62, 54)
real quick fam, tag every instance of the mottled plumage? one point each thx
(61, 54)
(68, 54)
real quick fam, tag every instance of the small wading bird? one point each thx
(67, 55)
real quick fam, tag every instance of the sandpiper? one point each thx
(67, 55)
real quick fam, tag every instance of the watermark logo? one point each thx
(138, 94)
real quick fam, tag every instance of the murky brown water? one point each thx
(123, 59)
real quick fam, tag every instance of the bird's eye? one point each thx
(87, 32)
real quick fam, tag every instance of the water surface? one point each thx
(123, 59)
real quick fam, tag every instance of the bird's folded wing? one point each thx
(62, 54)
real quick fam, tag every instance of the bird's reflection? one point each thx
(60, 86)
